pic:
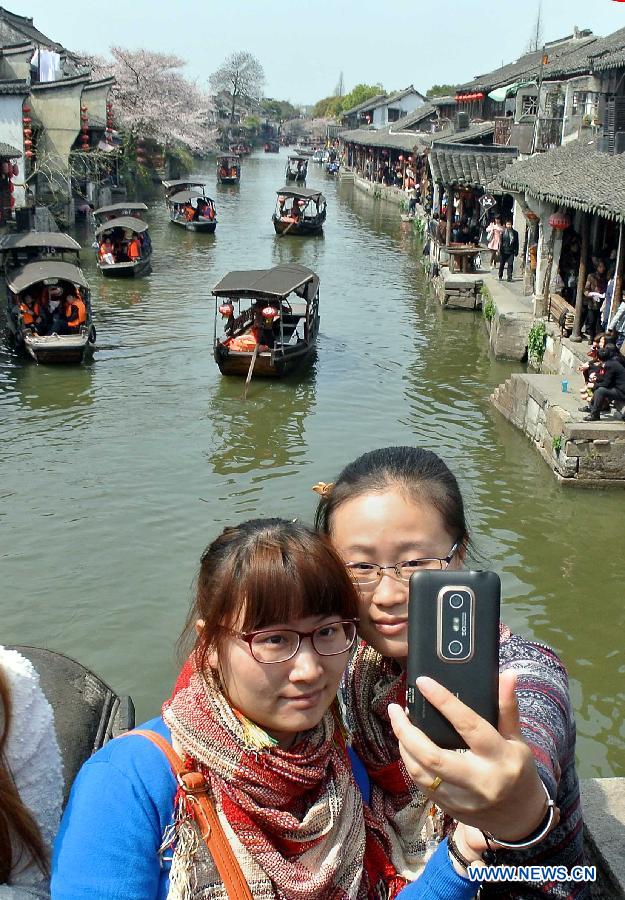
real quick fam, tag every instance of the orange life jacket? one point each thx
(29, 313)
(75, 312)
(134, 250)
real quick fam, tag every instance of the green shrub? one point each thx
(488, 305)
(556, 443)
(536, 341)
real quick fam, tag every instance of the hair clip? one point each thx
(324, 490)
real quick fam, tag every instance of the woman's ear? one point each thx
(199, 627)
(461, 553)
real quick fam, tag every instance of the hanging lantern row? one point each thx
(28, 132)
(559, 221)
(468, 98)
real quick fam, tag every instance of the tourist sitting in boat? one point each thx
(134, 248)
(251, 738)
(31, 313)
(55, 318)
(105, 252)
(75, 311)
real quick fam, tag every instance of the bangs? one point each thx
(292, 578)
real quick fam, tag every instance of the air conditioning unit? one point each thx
(462, 120)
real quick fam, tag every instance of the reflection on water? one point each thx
(115, 475)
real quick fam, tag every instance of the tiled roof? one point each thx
(9, 152)
(381, 137)
(366, 104)
(393, 98)
(419, 115)
(576, 175)
(408, 140)
(443, 101)
(14, 86)
(25, 26)
(468, 165)
(526, 66)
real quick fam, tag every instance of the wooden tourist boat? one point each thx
(240, 149)
(272, 147)
(41, 283)
(271, 320)
(229, 169)
(125, 208)
(124, 247)
(193, 210)
(296, 167)
(299, 212)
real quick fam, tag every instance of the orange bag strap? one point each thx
(196, 793)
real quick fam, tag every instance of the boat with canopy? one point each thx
(229, 169)
(296, 168)
(271, 320)
(124, 248)
(48, 299)
(192, 209)
(299, 211)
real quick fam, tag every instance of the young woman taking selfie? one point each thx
(254, 723)
(392, 512)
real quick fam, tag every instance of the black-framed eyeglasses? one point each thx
(369, 574)
(276, 645)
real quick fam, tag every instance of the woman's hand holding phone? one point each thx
(494, 785)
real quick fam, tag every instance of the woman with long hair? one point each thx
(392, 512)
(254, 716)
(31, 782)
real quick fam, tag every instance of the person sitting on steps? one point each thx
(610, 385)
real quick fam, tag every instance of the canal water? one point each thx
(115, 475)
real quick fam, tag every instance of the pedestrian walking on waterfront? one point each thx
(494, 232)
(392, 512)
(508, 249)
(253, 724)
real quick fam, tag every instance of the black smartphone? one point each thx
(453, 636)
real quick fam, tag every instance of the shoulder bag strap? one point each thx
(196, 793)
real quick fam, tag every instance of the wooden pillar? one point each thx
(581, 281)
(618, 277)
(450, 213)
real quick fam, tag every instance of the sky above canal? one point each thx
(303, 46)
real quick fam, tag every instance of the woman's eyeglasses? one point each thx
(369, 574)
(276, 645)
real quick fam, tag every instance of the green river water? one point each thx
(116, 474)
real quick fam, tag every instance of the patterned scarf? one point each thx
(294, 818)
(412, 823)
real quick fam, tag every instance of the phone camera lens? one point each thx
(456, 601)
(455, 648)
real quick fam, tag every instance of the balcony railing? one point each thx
(548, 133)
(503, 130)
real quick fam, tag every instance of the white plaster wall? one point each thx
(11, 133)
(407, 104)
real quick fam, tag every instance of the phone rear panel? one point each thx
(453, 636)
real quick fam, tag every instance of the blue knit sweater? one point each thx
(120, 805)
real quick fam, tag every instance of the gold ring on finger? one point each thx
(435, 784)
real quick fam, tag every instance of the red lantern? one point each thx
(26, 109)
(269, 312)
(28, 143)
(11, 187)
(12, 201)
(559, 221)
(29, 154)
(26, 120)
(226, 310)
(531, 216)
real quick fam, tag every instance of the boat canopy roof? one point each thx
(185, 196)
(136, 225)
(182, 182)
(234, 156)
(298, 157)
(25, 240)
(278, 282)
(48, 271)
(118, 207)
(300, 193)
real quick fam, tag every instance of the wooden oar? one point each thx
(250, 370)
(288, 228)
